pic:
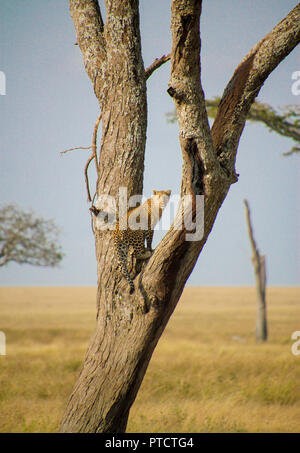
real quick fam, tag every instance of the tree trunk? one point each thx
(259, 264)
(261, 331)
(130, 325)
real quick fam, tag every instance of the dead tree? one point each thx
(126, 333)
(259, 264)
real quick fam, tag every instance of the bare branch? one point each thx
(72, 149)
(94, 141)
(156, 64)
(87, 185)
(93, 156)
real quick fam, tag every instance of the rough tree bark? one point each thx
(129, 326)
(259, 264)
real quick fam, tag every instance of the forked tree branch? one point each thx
(185, 83)
(212, 171)
(175, 257)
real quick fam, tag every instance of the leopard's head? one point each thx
(161, 197)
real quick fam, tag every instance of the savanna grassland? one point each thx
(206, 375)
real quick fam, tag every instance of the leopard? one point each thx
(136, 228)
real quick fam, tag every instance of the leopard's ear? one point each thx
(168, 192)
(154, 192)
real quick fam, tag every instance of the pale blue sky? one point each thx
(50, 106)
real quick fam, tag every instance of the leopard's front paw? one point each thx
(146, 254)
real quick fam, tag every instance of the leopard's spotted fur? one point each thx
(147, 216)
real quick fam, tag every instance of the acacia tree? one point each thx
(285, 121)
(25, 238)
(126, 332)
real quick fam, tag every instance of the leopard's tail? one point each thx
(122, 258)
(128, 278)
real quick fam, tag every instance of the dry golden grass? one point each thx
(206, 375)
